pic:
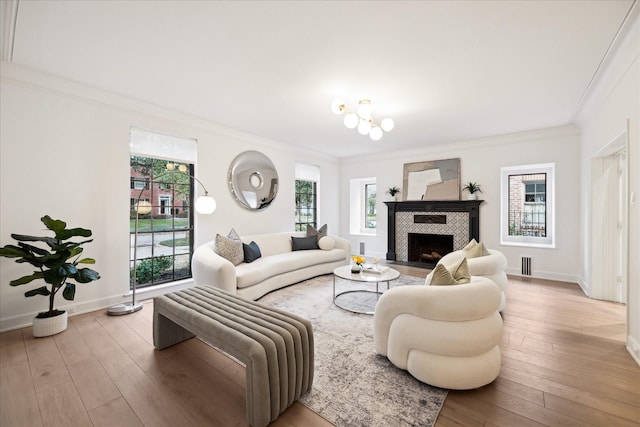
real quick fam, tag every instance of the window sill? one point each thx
(529, 245)
(374, 234)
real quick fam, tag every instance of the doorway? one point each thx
(609, 222)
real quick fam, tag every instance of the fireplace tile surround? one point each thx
(459, 218)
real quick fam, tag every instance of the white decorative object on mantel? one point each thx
(44, 327)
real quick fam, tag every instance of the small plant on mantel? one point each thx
(392, 191)
(55, 266)
(472, 188)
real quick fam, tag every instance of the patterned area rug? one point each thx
(352, 385)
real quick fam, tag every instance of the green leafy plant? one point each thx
(55, 265)
(392, 191)
(152, 268)
(472, 187)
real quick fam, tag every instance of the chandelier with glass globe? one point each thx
(362, 119)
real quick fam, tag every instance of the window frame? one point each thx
(314, 194)
(358, 206)
(506, 172)
(366, 201)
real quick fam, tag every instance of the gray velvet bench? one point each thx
(276, 346)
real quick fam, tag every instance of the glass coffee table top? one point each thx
(360, 295)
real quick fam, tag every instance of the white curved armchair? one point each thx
(491, 266)
(446, 336)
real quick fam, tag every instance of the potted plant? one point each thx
(392, 191)
(472, 188)
(56, 266)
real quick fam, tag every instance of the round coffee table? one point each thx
(345, 273)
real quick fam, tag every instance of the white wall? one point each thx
(613, 107)
(480, 161)
(64, 151)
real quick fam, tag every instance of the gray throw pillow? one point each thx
(304, 243)
(230, 247)
(319, 233)
(251, 252)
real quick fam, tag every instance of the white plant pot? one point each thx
(49, 325)
(472, 196)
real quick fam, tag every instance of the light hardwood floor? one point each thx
(563, 363)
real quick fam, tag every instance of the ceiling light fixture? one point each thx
(362, 119)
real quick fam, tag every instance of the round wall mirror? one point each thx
(253, 180)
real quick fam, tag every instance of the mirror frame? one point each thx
(253, 180)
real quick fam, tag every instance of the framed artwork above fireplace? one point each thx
(432, 180)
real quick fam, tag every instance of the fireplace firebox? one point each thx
(429, 248)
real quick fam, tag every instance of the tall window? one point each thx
(370, 205)
(307, 201)
(362, 206)
(306, 204)
(527, 205)
(161, 193)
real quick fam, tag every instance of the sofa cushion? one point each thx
(251, 251)
(230, 247)
(304, 243)
(456, 275)
(273, 265)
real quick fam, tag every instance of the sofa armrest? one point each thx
(345, 245)
(454, 303)
(209, 268)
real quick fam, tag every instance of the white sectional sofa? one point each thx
(277, 267)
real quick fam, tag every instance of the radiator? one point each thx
(526, 266)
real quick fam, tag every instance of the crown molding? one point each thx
(19, 75)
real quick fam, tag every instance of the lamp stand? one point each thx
(205, 205)
(133, 306)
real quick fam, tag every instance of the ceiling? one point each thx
(443, 70)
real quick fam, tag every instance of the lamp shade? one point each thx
(351, 120)
(337, 106)
(364, 127)
(364, 108)
(205, 205)
(143, 207)
(376, 133)
(387, 124)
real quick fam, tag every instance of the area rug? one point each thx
(352, 385)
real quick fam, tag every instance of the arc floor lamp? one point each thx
(204, 205)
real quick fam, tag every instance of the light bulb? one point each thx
(171, 166)
(205, 205)
(387, 124)
(364, 108)
(376, 133)
(351, 120)
(338, 106)
(182, 168)
(364, 127)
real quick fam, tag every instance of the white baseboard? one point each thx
(75, 308)
(633, 347)
(560, 277)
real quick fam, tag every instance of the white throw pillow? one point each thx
(327, 243)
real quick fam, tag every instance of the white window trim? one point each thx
(529, 241)
(305, 172)
(357, 207)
